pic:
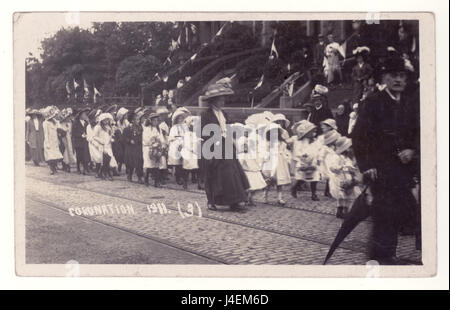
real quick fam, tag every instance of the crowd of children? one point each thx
(153, 143)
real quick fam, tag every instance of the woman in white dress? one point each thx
(52, 154)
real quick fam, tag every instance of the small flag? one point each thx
(273, 50)
(220, 30)
(85, 85)
(174, 45)
(96, 92)
(343, 49)
(261, 80)
(68, 90)
(193, 28)
(168, 60)
(291, 89)
(86, 89)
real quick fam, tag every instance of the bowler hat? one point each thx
(392, 64)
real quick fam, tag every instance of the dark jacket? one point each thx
(384, 128)
(342, 123)
(132, 138)
(35, 138)
(319, 53)
(320, 115)
(78, 130)
(360, 74)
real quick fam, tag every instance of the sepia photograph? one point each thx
(170, 145)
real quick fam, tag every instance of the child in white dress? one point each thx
(103, 137)
(252, 170)
(153, 149)
(275, 167)
(306, 158)
(190, 151)
(327, 127)
(94, 147)
(175, 141)
(344, 175)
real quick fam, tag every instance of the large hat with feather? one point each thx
(319, 91)
(81, 110)
(66, 113)
(112, 109)
(51, 112)
(361, 51)
(178, 112)
(121, 113)
(221, 87)
(104, 116)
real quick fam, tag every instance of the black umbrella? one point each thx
(360, 211)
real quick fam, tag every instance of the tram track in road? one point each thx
(308, 238)
(133, 232)
(216, 218)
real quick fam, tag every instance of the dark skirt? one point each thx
(133, 156)
(118, 149)
(27, 152)
(37, 154)
(225, 182)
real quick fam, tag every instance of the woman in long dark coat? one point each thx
(79, 140)
(132, 138)
(35, 137)
(225, 181)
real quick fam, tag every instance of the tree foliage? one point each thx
(95, 55)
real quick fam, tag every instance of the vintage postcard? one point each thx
(225, 144)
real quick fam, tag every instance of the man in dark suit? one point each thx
(79, 141)
(385, 141)
(319, 106)
(319, 52)
(361, 72)
(132, 138)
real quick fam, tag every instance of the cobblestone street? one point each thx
(169, 225)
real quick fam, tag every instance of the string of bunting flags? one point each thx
(176, 44)
(273, 54)
(86, 91)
